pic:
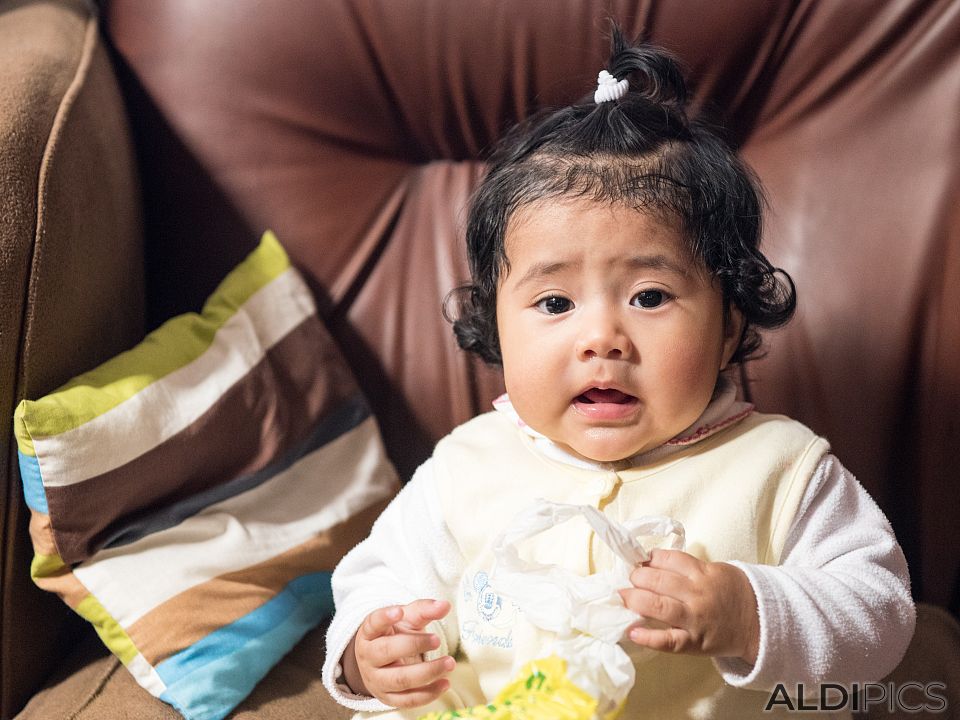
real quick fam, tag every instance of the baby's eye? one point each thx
(554, 305)
(649, 298)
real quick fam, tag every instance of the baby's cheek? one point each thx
(690, 374)
(527, 394)
(537, 395)
(529, 370)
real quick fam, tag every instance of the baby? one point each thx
(616, 278)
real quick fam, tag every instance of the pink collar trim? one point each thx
(705, 431)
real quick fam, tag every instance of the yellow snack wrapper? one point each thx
(541, 691)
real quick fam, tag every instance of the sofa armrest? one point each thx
(71, 272)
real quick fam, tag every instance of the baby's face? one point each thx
(612, 337)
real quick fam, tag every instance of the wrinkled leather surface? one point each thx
(354, 129)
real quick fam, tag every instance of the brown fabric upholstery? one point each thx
(356, 129)
(71, 271)
(93, 686)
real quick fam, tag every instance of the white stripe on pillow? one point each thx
(146, 676)
(244, 530)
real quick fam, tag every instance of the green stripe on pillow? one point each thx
(168, 348)
(45, 565)
(109, 630)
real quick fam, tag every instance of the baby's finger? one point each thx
(379, 622)
(419, 697)
(661, 582)
(390, 649)
(657, 607)
(420, 613)
(674, 561)
(672, 640)
(402, 678)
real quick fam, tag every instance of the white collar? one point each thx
(724, 410)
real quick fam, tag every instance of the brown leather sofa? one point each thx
(144, 152)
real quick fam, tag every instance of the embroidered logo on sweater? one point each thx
(486, 618)
(488, 602)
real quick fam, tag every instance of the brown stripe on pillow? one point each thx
(220, 445)
(332, 426)
(192, 615)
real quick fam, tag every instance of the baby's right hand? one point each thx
(385, 658)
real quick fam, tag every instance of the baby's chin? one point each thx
(603, 445)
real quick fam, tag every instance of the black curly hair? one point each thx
(641, 151)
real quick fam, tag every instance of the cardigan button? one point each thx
(606, 484)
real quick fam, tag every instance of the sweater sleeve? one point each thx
(410, 554)
(838, 609)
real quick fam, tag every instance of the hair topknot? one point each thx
(642, 151)
(660, 79)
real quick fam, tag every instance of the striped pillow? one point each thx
(191, 496)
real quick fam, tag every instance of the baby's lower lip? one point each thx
(598, 407)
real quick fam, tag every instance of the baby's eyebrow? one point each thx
(540, 270)
(658, 262)
(545, 269)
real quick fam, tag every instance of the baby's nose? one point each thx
(603, 340)
(612, 353)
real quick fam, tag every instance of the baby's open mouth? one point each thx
(596, 395)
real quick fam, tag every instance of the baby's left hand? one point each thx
(709, 608)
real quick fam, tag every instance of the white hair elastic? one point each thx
(609, 88)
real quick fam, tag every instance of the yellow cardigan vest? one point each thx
(736, 493)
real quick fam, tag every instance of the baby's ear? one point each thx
(733, 326)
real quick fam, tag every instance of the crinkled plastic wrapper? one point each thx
(584, 674)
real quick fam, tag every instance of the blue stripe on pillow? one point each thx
(208, 679)
(33, 491)
(340, 421)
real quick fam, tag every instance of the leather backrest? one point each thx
(356, 129)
